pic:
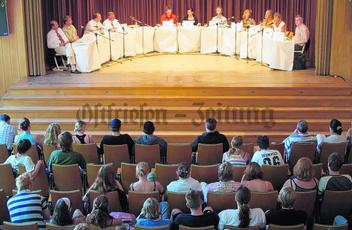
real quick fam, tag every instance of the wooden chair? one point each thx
(166, 173)
(40, 182)
(4, 154)
(92, 172)
(115, 155)
(237, 172)
(228, 227)
(11, 226)
(264, 200)
(209, 154)
(317, 170)
(7, 179)
(346, 169)
(50, 226)
(88, 151)
(165, 227)
(177, 200)
(276, 174)
(249, 148)
(279, 147)
(330, 227)
(222, 200)
(302, 150)
(328, 148)
(177, 153)
(292, 227)
(305, 201)
(205, 173)
(182, 227)
(4, 212)
(113, 198)
(128, 175)
(136, 200)
(47, 150)
(148, 153)
(335, 203)
(75, 197)
(67, 177)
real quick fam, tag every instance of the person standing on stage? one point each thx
(247, 21)
(111, 23)
(268, 19)
(191, 17)
(70, 30)
(219, 18)
(94, 25)
(279, 25)
(168, 16)
(301, 33)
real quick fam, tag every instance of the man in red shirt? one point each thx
(168, 16)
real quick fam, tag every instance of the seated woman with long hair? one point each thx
(151, 214)
(253, 179)
(62, 213)
(145, 183)
(235, 155)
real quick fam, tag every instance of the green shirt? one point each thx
(66, 158)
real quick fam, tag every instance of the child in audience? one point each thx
(62, 213)
(185, 182)
(151, 214)
(266, 156)
(80, 136)
(236, 156)
(52, 135)
(143, 184)
(253, 179)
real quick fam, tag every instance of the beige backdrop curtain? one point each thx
(323, 36)
(34, 37)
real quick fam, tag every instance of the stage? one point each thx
(178, 91)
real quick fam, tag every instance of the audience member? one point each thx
(7, 132)
(185, 182)
(336, 136)
(62, 213)
(266, 156)
(145, 184)
(236, 156)
(253, 179)
(80, 136)
(287, 215)
(150, 139)
(211, 136)
(52, 133)
(198, 217)
(150, 215)
(302, 179)
(25, 127)
(243, 216)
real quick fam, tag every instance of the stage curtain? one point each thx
(34, 37)
(149, 11)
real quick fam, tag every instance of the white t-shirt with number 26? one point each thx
(267, 157)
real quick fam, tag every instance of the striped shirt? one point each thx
(239, 157)
(27, 207)
(297, 138)
(7, 134)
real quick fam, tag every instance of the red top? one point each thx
(164, 17)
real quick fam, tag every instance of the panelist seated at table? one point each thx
(268, 19)
(168, 16)
(247, 21)
(301, 33)
(70, 30)
(278, 25)
(94, 25)
(219, 19)
(111, 23)
(191, 17)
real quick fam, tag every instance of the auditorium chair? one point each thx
(209, 154)
(229, 227)
(335, 203)
(136, 200)
(276, 174)
(329, 148)
(237, 172)
(166, 173)
(47, 150)
(40, 182)
(116, 154)
(182, 227)
(289, 227)
(248, 148)
(299, 150)
(148, 153)
(4, 212)
(4, 154)
(92, 172)
(221, 201)
(128, 175)
(88, 151)
(346, 169)
(165, 227)
(75, 197)
(177, 153)
(330, 227)
(113, 198)
(278, 147)
(11, 226)
(177, 200)
(317, 170)
(7, 179)
(32, 152)
(306, 201)
(50, 226)
(264, 200)
(67, 177)
(205, 173)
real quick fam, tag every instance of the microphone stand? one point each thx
(247, 45)
(143, 25)
(110, 45)
(262, 48)
(124, 42)
(236, 37)
(217, 38)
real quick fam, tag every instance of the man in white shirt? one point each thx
(94, 25)
(301, 33)
(219, 18)
(111, 23)
(57, 40)
(266, 156)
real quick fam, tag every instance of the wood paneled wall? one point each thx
(13, 60)
(341, 49)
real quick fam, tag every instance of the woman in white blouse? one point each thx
(278, 25)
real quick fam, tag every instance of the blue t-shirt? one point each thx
(27, 136)
(152, 223)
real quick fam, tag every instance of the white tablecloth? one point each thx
(210, 40)
(165, 39)
(148, 39)
(116, 46)
(87, 55)
(189, 39)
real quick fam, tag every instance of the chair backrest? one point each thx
(335, 203)
(7, 179)
(221, 201)
(3, 153)
(166, 173)
(317, 170)
(291, 227)
(302, 150)
(276, 174)
(113, 198)
(50, 226)
(67, 177)
(177, 153)
(4, 212)
(237, 172)
(128, 175)
(165, 227)
(136, 200)
(328, 148)
(41, 182)
(88, 151)
(279, 147)
(116, 154)
(264, 200)
(249, 148)
(75, 197)
(177, 200)
(205, 173)
(305, 201)
(92, 172)
(32, 152)
(47, 150)
(330, 227)
(182, 227)
(148, 153)
(346, 169)
(11, 226)
(209, 154)
(238, 228)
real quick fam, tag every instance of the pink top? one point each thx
(258, 185)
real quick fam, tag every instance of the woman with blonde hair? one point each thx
(278, 25)
(303, 179)
(80, 136)
(226, 183)
(236, 156)
(146, 180)
(268, 19)
(150, 215)
(52, 135)
(247, 21)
